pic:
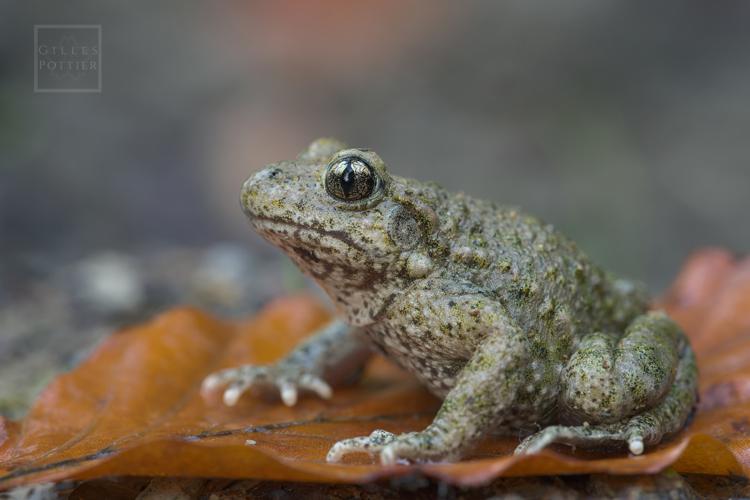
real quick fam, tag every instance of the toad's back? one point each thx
(540, 276)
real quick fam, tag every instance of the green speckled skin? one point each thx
(494, 311)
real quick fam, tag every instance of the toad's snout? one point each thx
(258, 187)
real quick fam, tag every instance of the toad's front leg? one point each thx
(331, 354)
(484, 393)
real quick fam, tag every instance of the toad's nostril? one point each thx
(272, 172)
(266, 174)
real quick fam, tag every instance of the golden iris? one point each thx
(350, 179)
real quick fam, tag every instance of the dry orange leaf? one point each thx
(134, 407)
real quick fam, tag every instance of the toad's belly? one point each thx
(437, 372)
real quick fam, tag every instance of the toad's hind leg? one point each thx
(629, 392)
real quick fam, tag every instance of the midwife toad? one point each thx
(494, 311)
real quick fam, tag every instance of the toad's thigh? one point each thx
(608, 379)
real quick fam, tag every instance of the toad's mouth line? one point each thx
(267, 223)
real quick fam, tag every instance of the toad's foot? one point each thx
(286, 378)
(583, 435)
(392, 448)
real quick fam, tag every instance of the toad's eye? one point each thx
(350, 179)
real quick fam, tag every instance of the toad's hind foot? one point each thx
(584, 436)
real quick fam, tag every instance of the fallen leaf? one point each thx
(134, 407)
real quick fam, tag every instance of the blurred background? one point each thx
(624, 123)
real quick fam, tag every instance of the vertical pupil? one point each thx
(350, 179)
(347, 179)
